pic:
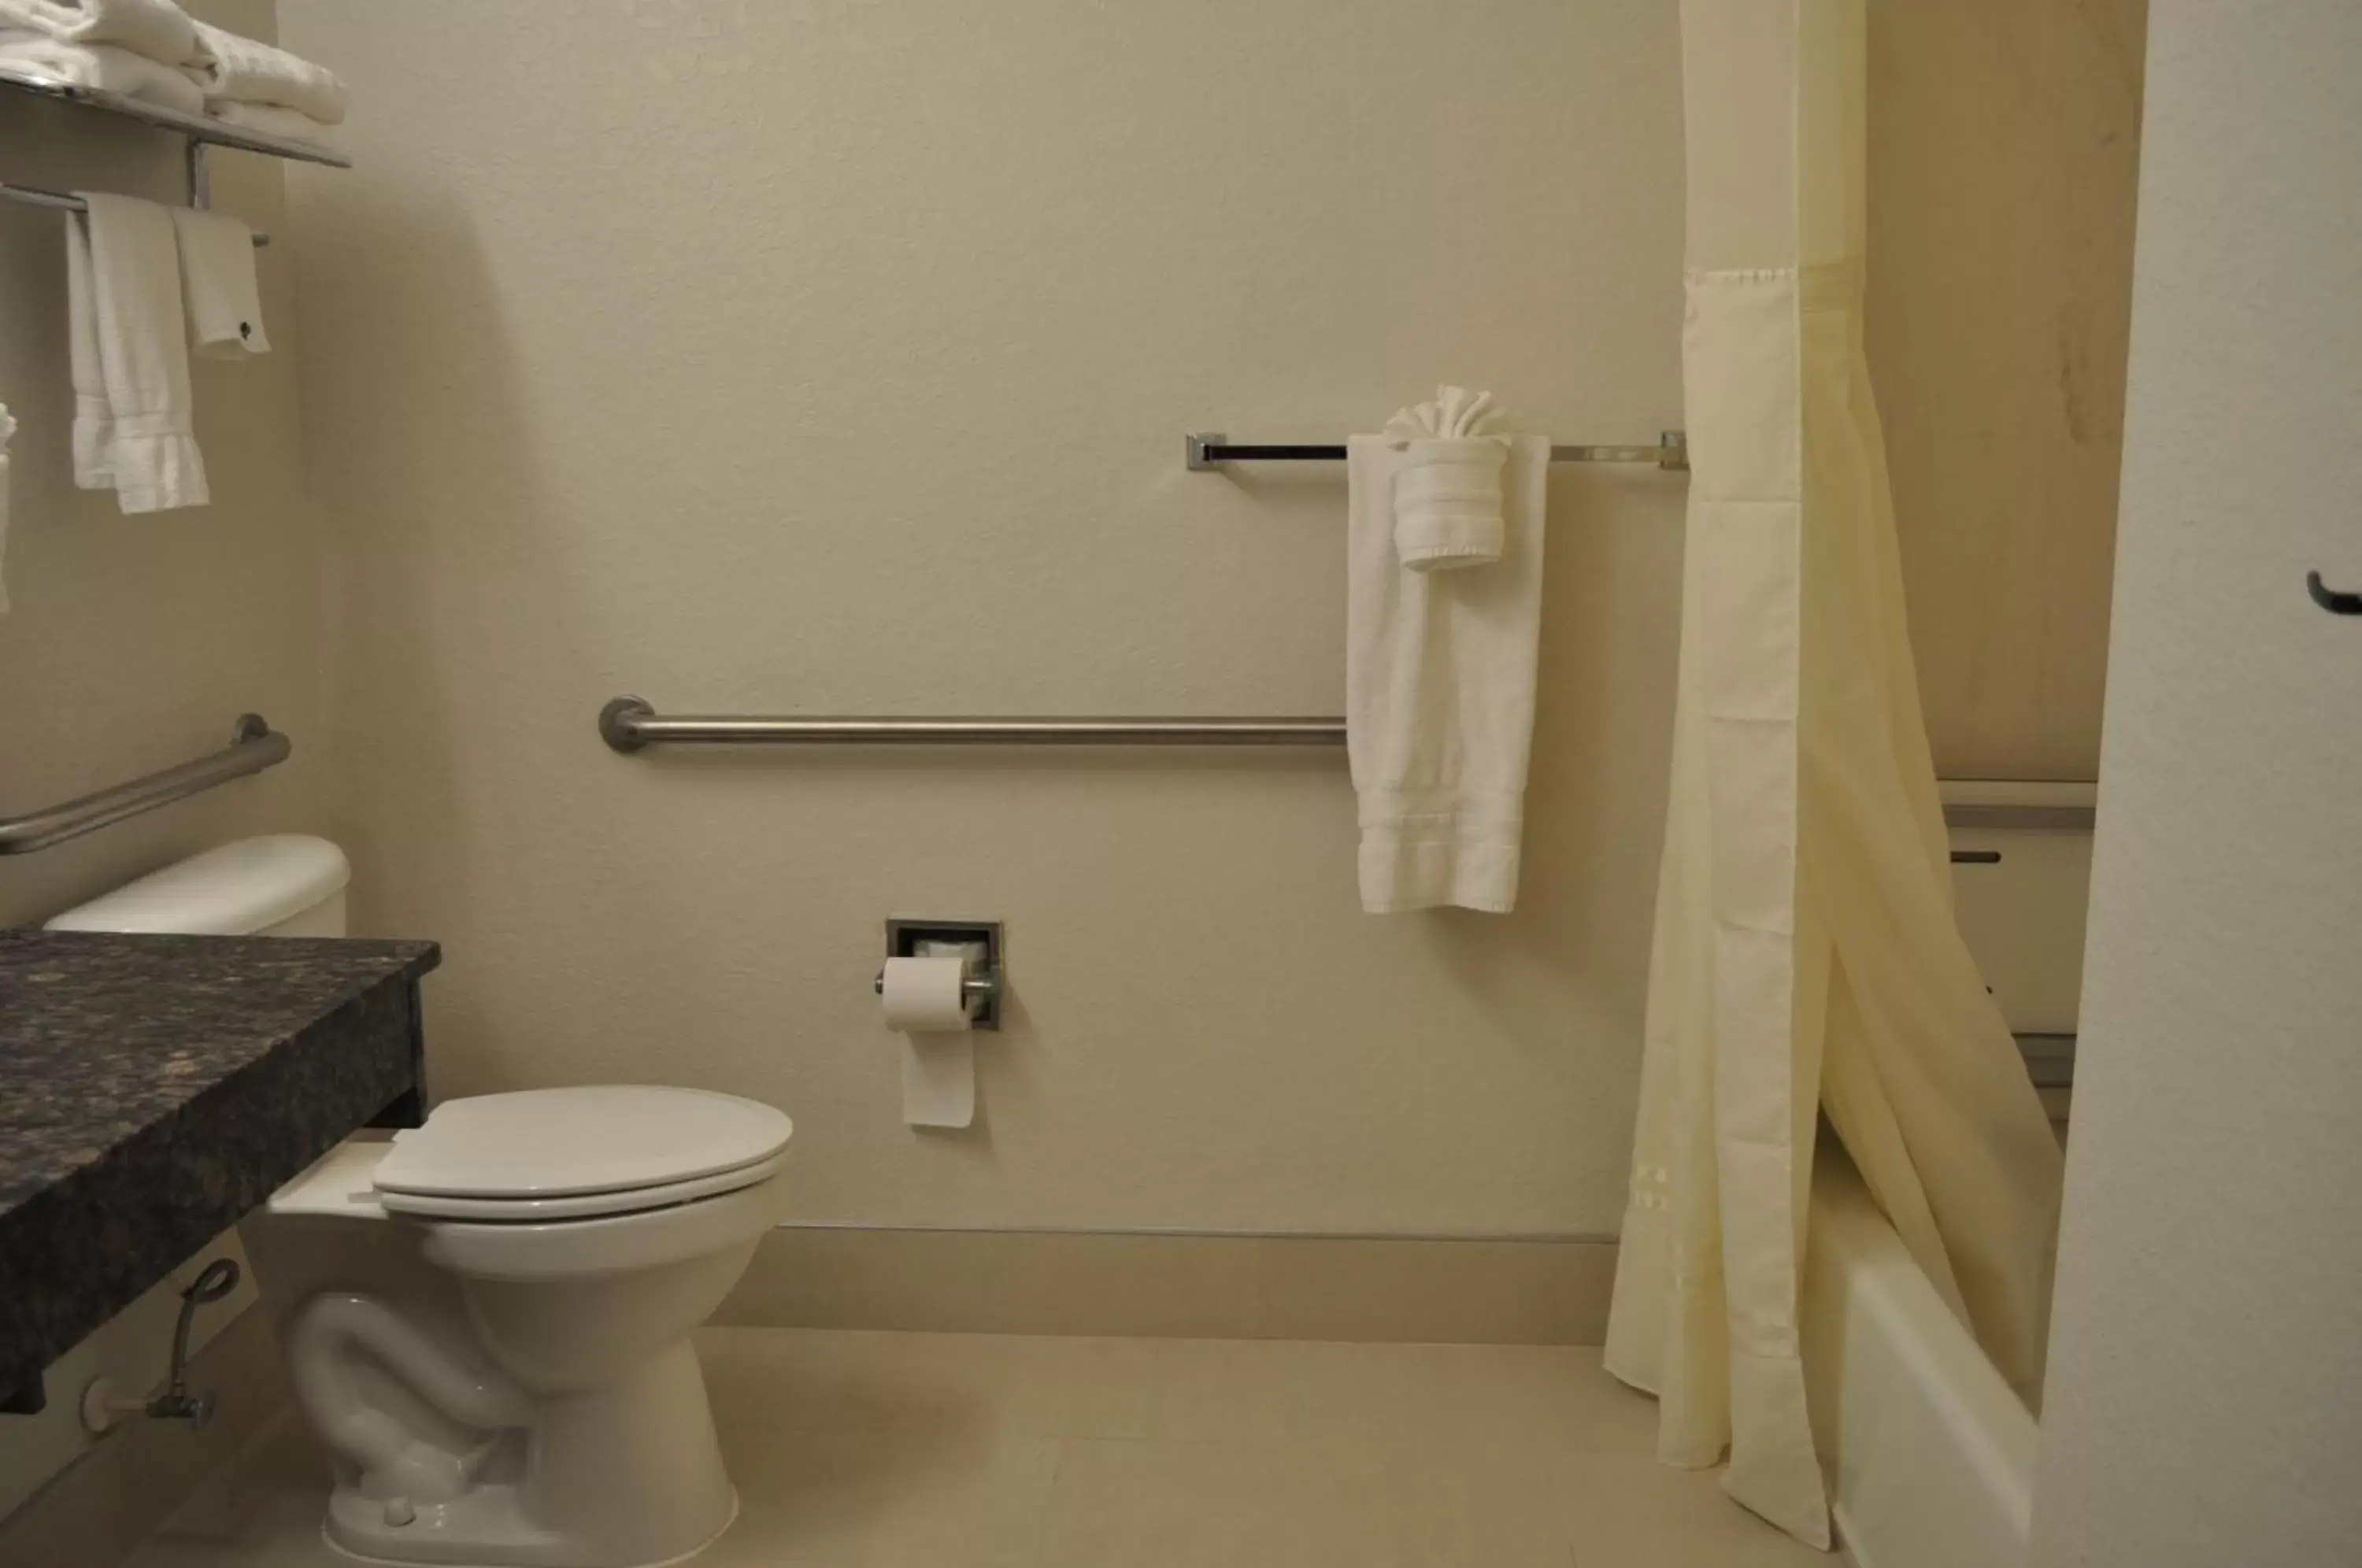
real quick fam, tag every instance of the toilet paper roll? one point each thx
(925, 1005)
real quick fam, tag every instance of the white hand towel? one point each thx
(94, 425)
(235, 70)
(8, 429)
(1447, 487)
(1439, 693)
(25, 53)
(157, 30)
(217, 287)
(134, 298)
(274, 120)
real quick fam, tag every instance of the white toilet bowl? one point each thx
(487, 1321)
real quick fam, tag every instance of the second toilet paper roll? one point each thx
(926, 1006)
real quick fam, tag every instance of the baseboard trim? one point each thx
(1180, 1284)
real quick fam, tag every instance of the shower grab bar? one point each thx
(629, 725)
(254, 745)
(1206, 450)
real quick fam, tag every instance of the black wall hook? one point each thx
(2330, 599)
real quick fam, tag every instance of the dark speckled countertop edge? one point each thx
(169, 1162)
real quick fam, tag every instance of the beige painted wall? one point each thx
(133, 642)
(835, 358)
(2004, 141)
(2204, 1399)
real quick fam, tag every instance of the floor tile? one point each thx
(868, 1449)
(856, 1381)
(882, 1499)
(263, 1511)
(1205, 1505)
(1627, 1510)
(1533, 1394)
(1257, 1391)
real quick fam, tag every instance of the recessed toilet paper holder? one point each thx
(940, 938)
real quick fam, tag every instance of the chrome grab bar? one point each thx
(629, 725)
(254, 745)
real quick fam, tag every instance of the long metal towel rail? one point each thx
(629, 725)
(33, 196)
(1204, 450)
(254, 745)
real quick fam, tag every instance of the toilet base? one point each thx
(629, 1475)
(345, 1541)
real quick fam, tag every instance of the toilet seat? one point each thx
(584, 1153)
(580, 1205)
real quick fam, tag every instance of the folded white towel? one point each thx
(8, 429)
(27, 54)
(159, 30)
(217, 287)
(131, 305)
(275, 120)
(1447, 492)
(1439, 693)
(235, 70)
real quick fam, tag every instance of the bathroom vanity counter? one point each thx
(154, 1090)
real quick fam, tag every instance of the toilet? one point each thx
(487, 1318)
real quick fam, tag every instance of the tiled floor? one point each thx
(948, 1450)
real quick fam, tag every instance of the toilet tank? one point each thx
(277, 885)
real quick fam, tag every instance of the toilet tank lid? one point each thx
(228, 891)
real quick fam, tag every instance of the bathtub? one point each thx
(1929, 1455)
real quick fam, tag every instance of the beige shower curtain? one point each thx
(1806, 957)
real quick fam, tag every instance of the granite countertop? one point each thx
(154, 1090)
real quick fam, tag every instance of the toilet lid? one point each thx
(543, 1143)
(580, 1205)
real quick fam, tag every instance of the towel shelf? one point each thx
(1204, 450)
(254, 745)
(201, 129)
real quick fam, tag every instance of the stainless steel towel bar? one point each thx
(1207, 449)
(629, 725)
(33, 196)
(254, 745)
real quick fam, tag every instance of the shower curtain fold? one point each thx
(1804, 956)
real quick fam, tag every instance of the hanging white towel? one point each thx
(217, 287)
(1440, 694)
(157, 30)
(8, 429)
(271, 119)
(131, 303)
(37, 56)
(1448, 480)
(236, 69)
(94, 424)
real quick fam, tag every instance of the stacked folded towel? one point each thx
(25, 52)
(152, 50)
